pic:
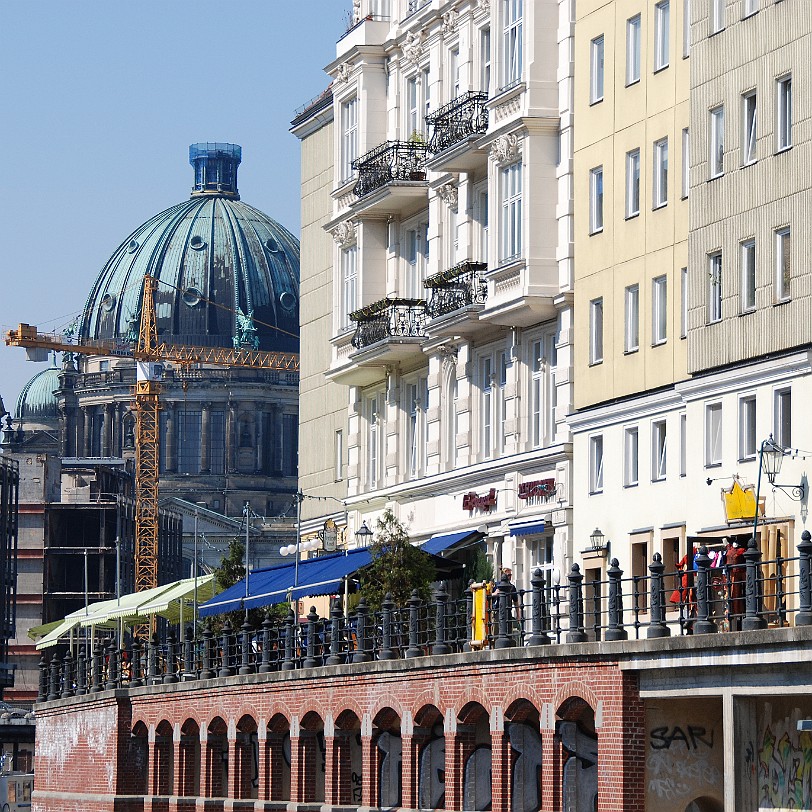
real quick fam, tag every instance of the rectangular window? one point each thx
(782, 418)
(662, 25)
(632, 320)
(374, 435)
(717, 16)
(349, 137)
(512, 41)
(659, 310)
(454, 73)
(713, 434)
(596, 331)
(511, 238)
(686, 167)
(660, 191)
(633, 183)
(716, 160)
(633, 50)
(686, 28)
(630, 454)
(783, 266)
(596, 200)
(189, 434)
(416, 254)
(486, 384)
(349, 282)
(749, 128)
(683, 292)
(339, 455)
(596, 70)
(485, 60)
(683, 444)
(481, 218)
(784, 113)
(747, 427)
(747, 262)
(542, 362)
(715, 286)
(596, 464)
(658, 450)
(415, 410)
(750, 7)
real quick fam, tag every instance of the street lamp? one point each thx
(596, 539)
(772, 455)
(363, 535)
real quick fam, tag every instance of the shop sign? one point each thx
(543, 488)
(473, 501)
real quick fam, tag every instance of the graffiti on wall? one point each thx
(431, 774)
(784, 768)
(580, 775)
(477, 780)
(679, 762)
(390, 785)
(525, 742)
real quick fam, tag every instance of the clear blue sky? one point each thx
(100, 101)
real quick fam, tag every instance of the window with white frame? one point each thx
(349, 285)
(416, 254)
(683, 309)
(596, 464)
(596, 70)
(747, 427)
(492, 382)
(485, 60)
(783, 267)
(683, 444)
(511, 226)
(541, 366)
(417, 102)
(749, 127)
(686, 28)
(659, 310)
(596, 331)
(660, 190)
(452, 237)
(450, 422)
(374, 440)
(633, 49)
(686, 168)
(414, 410)
(783, 129)
(596, 200)
(349, 136)
(454, 69)
(658, 450)
(339, 455)
(662, 32)
(716, 159)
(713, 434)
(717, 15)
(631, 342)
(631, 462)
(714, 305)
(633, 183)
(747, 266)
(750, 7)
(512, 64)
(782, 417)
(481, 219)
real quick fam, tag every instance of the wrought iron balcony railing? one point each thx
(457, 287)
(390, 161)
(454, 122)
(388, 318)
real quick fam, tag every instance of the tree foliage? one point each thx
(397, 567)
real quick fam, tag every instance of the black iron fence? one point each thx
(705, 600)
(461, 118)
(455, 288)
(388, 318)
(390, 161)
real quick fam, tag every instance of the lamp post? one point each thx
(247, 513)
(596, 539)
(363, 535)
(194, 575)
(770, 458)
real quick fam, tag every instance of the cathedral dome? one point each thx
(218, 261)
(37, 401)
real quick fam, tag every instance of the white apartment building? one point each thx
(452, 272)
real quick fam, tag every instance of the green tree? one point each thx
(397, 565)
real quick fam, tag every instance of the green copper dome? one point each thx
(37, 401)
(228, 274)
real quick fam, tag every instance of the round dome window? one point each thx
(132, 246)
(287, 300)
(272, 245)
(192, 297)
(197, 243)
(108, 302)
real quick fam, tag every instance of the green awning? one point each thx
(179, 599)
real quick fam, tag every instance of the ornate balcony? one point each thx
(388, 318)
(458, 287)
(391, 161)
(458, 120)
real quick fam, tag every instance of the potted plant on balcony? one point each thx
(416, 171)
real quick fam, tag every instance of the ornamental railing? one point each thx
(391, 161)
(744, 594)
(388, 318)
(459, 119)
(456, 288)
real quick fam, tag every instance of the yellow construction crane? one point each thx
(148, 352)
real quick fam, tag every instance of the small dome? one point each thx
(220, 263)
(37, 401)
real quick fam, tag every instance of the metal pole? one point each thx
(118, 548)
(247, 571)
(295, 598)
(758, 487)
(85, 593)
(194, 598)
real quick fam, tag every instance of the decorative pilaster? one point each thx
(171, 454)
(205, 438)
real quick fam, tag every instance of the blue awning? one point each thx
(439, 543)
(271, 585)
(529, 529)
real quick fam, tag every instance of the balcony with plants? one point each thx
(456, 297)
